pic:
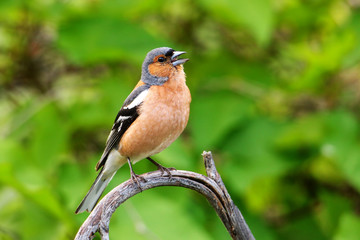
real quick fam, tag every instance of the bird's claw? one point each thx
(162, 168)
(167, 170)
(136, 179)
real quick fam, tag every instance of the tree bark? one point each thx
(210, 186)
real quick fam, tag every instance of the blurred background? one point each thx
(276, 94)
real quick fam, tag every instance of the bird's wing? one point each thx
(125, 117)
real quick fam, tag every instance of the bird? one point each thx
(151, 118)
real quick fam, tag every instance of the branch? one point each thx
(211, 187)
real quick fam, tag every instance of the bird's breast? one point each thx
(162, 118)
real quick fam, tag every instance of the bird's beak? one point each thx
(176, 61)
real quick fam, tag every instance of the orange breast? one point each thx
(163, 116)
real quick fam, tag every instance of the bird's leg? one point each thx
(134, 176)
(161, 167)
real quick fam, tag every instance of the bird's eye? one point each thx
(161, 59)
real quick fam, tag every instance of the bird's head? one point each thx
(159, 64)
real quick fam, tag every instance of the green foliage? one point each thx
(91, 39)
(257, 16)
(275, 97)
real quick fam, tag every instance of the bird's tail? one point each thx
(92, 197)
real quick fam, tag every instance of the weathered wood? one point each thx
(211, 187)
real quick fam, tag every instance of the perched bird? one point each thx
(151, 118)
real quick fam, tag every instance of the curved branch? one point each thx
(211, 187)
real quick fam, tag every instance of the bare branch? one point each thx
(211, 187)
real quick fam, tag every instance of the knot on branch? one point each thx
(210, 186)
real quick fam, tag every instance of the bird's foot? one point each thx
(162, 168)
(136, 177)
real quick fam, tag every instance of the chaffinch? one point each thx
(151, 118)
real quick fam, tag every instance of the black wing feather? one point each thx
(123, 120)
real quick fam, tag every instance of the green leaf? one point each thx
(10, 9)
(343, 129)
(333, 207)
(49, 137)
(262, 194)
(254, 154)
(353, 57)
(302, 228)
(95, 38)
(32, 218)
(178, 156)
(259, 227)
(158, 218)
(307, 131)
(256, 15)
(349, 227)
(317, 62)
(214, 116)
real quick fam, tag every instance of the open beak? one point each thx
(176, 61)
